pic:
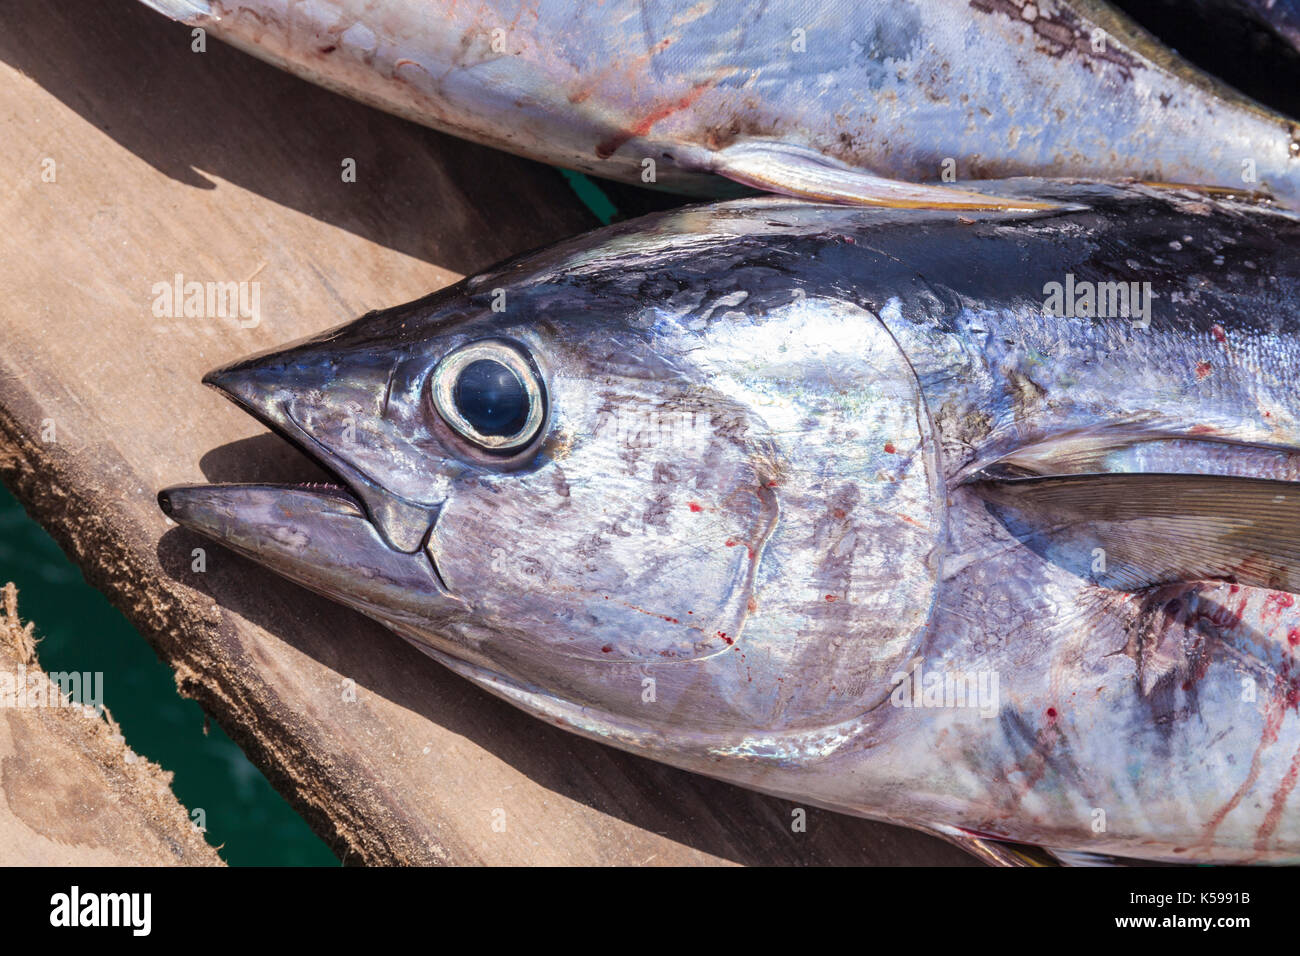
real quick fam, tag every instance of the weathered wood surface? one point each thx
(71, 790)
(219, 168)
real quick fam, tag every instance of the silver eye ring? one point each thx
(490, 394)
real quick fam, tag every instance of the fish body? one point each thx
(852, 102)
(804, 497)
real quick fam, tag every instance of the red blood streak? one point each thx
(1218, 333)
(889, 447)
(608, 146)
(695, 506)
(1272, 726)
(830, 597)
(606, 649)
(723, 635)
(730, 543)
(1274, 815)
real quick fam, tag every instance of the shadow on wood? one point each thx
(203, 118)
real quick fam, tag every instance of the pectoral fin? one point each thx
(807, 174)
(1131, 531)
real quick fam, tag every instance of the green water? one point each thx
(80, 631)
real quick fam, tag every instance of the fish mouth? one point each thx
(345, 538)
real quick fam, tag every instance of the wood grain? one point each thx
(219, 168)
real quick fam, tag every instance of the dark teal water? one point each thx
(80, 631)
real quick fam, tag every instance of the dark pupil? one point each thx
(491, 398)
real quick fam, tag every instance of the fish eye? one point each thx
(490, 394)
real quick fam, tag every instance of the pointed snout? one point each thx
(331, 403)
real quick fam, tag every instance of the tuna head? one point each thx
(653, 484)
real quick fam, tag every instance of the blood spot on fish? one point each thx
(328, 49)
(1203, 369)
(723, 636)
(1218, 333)
(830, 597)
(731, 544)
(889, 447)
(1275, 602)
(840, 513)
(607, 649)
(695, 506)
(1293, 637)
(1051, 713)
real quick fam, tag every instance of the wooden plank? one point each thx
(74, 792)
(218, 168)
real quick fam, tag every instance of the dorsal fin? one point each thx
(798, 171)
(1157, 528)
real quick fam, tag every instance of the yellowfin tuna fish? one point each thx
(985, 524)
